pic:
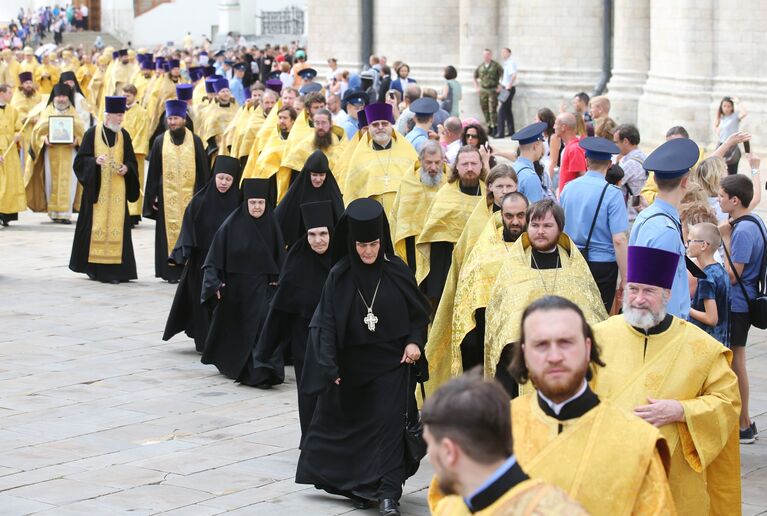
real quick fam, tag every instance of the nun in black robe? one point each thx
(88, 173)
(370, 321)
(154, 206)
(287, 324)
(302, 191)
(202, 218)
(241, 272)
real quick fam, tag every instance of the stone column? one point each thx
(678, 86)
(229, 19)
(631, 58)
(478, 29)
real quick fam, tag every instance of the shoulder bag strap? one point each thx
(594, 220)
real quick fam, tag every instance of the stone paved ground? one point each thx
(98, 415)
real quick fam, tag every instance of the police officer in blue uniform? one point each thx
(659, 225)
(308, 75)
(424, 109)
(353, 102)
(596, 218)
(531, 149)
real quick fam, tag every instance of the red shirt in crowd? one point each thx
(573, 163)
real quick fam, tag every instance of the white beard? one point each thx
(429, 180)
(112, 127)
(382, 139)
(644, 320)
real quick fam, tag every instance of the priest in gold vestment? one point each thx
(13, 198)
(178, 168)
(457, 337)
(445, 220)
(267, 164)
(416, 191)
(468, 430)
(678, 378)
(106, 167)
(26, 102)
(136, 122)
(213, 121)
(604, 457)
(543, 261)
(48, 177)
(380, 160)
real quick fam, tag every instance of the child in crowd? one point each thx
(709, 306)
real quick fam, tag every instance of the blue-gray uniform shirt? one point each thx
(417, 137)
(660, 232)
(350, 127)
(579, 199)
(529, 182)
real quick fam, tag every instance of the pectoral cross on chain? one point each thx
(386, 180)
(371, 320)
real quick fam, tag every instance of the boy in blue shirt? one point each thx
(743, 236)
(710, 305)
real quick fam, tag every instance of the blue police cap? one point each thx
(356, 97)
(310, 88)
(530, 134)
(275, 74)
(599, 148)
(307, 74)
(424, 106)
(673, 159)
(240, 66)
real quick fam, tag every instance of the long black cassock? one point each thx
(245, 257)
(206, 212)
(355, 442)
(302, 191)
(88, 173)
(291, 310)
(154, 190)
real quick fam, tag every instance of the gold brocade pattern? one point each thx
(13, 198)
(475, 284)
(109, 210)
(374, 173)
(440, 335)
(528, 498)
(686, 364)
(407, 215)
(445, 220)
(608, 459)
(178, 170)
(518, 285)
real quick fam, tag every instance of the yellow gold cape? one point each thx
(528, 498)
(136, 122)
(407, 217)
(445, 220)
(686, 364)
(13, 198)
(518, 285)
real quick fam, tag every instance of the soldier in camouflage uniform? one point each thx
(487, 78)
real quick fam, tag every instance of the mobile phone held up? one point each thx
(747, 147)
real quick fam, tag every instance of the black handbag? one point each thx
(757, 307)
(585, 250)
(415, 446)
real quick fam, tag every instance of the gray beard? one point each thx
(112, 127)
(645, 320)
(382, 140)
(61, 106)
(429, 180)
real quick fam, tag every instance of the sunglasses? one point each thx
(474, 136)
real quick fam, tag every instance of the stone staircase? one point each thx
(87, 38)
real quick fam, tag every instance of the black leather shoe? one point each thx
(389, 507)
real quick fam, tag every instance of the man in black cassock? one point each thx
(300, 285)
(106, 167)
(202, 218)
(184, 152)
(240, 273)
(365, 336)
(314, 183)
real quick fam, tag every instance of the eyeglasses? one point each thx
(690, 241)
(474, 136)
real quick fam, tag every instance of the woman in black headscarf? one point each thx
(367, 332)
(241, 272)
(203, 216)
(314, 183)
(287, 325)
